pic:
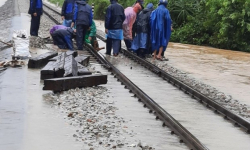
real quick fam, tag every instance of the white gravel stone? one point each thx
(98, 124)
(226, 100)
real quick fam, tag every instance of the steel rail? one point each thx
(50, 17)
(237, 119)
(185, 136)
(160, 113)
(57, 22)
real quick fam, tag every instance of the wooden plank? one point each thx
(48, 71)
(65, 66)
(83, 60)
(70, 66)
(82, 70)
(41, 60)
(66, 83)
(59, 65)
(73, 53)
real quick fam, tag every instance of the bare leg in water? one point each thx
(159, 54)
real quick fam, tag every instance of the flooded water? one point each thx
(146, 128)
(228, 71)
(2, 2)
(27, 122)
(211, 129)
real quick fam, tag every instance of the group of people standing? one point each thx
(77, 23)
(145, 31)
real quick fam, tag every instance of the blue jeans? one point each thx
(67, 23)
(113, 43)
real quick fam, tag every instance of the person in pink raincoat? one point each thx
(130, 13)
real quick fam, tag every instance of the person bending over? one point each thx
(63, 38)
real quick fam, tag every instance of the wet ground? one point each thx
(28, 122)
(226, 70)
(2, 2)
(211, 129)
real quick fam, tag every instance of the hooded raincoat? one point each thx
(130, 13)
(160, 23)
(91, 33)
(142, 39)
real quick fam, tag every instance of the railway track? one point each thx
(185, 136)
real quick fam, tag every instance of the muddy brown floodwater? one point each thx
(226, 70)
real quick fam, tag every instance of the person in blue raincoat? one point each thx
(67, 12)
(160, 24)
(63, 38)
(141, 42)
(35, 10)
(82, 19)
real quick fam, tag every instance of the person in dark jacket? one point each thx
(67, 12)
(82, 20)
(35, 10)
(141, 2)
(141, 43)
(113, 27)
(63, 38)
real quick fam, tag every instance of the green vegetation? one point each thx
(60, 2)
(217, 23)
